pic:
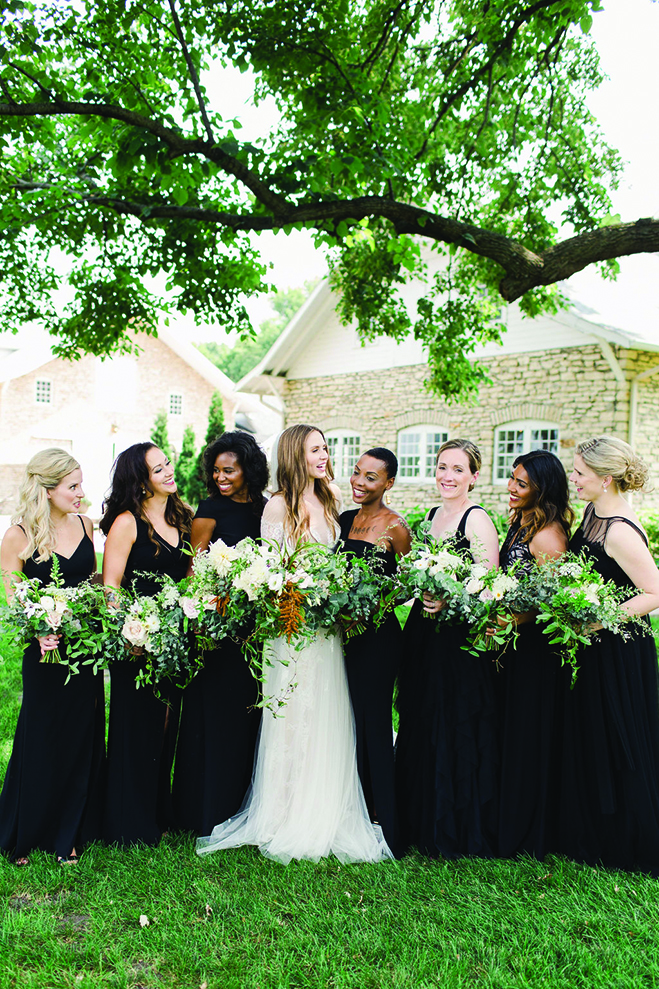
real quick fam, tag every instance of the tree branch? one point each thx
(192, 70)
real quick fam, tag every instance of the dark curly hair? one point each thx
(388, 458)
(252, 460)
(548, 482)
(130, 486)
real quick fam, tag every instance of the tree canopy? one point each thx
(458, 123)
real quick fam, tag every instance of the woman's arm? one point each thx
(13, 543)
(400, 536)
(200, 537)
(625, 546)
(120, 540)
(548, 544)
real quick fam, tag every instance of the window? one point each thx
(343, 446)
(43, 394)
(514, 438)
(417, 451)
(175, 404)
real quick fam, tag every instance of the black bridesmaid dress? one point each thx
(446, 750)
(372, 660)
(219, 724)
(609, 801)
(529, 685)
(52, 797)
(142, 729)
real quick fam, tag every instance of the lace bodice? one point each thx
(272, 527)
(515, 549)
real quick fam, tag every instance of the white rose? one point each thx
(473, 586)
(478, 571)
(190, 607)
(422, 563)
(47, 603)
(135, 631)
(54, 619)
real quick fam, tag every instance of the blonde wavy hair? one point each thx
(43, 473)
(293, 477)
(609, 455)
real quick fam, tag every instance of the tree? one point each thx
(186, 466)
(159, 434)
(196, 486)
(461, 123)
(239, 360)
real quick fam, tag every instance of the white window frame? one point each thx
(175, 395)
(49, 383)
(529, 436)
(416, 449)
(344, 447)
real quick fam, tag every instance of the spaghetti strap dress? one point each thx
(142, 727)
(219, 723)
(372, 660)
(529, 684)
(609, 801)
(446, 749)
(52, 798)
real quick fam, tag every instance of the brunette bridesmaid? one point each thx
(219, 723)
(373, 657)
(147, 527)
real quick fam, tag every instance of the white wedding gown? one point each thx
(305, 800)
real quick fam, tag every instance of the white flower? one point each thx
(474, 586)
(189, 606)
(422, 563)
(169, 595)
(222, 557)
(486, 595)
(590, 592)
(275, 582)
(54, 619)
(151, 623)
(252, 579)
(570, 570)
(478, 571)
(135, 631)
(47, 603)
(209, 602)
(501, 584)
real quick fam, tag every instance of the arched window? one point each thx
(513, 438)
(417, 451)
(343, 446)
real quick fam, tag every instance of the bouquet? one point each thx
(571, 597)
(439, 569)
(38, 610)
(158, 627)
(492, 599)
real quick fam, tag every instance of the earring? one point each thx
(604, 487)
(387, 499)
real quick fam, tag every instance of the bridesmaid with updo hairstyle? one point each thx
(52, 797)
(609, 801)
(219, 720)
(446, 753)
(147, 528)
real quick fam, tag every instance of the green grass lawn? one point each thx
(238, 921)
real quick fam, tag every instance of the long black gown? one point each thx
(219, 724)
(529, 685)
(52, 798)
(142, 730)
(372, 660)
(446, 750)
(609, 801)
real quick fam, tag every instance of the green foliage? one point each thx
(239, 360)
(186, 466)
(650, 522)
(459, 123)
(196, 487)
(159, 434)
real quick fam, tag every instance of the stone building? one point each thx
(555, 381)
(95, 409)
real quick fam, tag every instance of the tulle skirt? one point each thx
(305, 800)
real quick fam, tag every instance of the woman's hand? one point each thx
(432, 605)
(48, 643)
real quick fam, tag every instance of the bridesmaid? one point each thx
(530, 676)
(446, 762)
(52, 795)
(147, 526)
(609, 801)
(219, 724)
(372, 658)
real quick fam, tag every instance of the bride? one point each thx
(305, 801)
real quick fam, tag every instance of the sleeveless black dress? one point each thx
(219, 725)
(609, 803)
(529, 684)
(52, 797)
(446, 750)
(142, 729)
(372, 660)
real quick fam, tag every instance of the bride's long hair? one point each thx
(293, 477)
(43, 473)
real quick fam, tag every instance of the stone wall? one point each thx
(575, 388)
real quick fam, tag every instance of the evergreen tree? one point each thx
(159, 434)
(186, 466)
(196, 489)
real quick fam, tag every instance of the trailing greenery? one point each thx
(460, 125)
